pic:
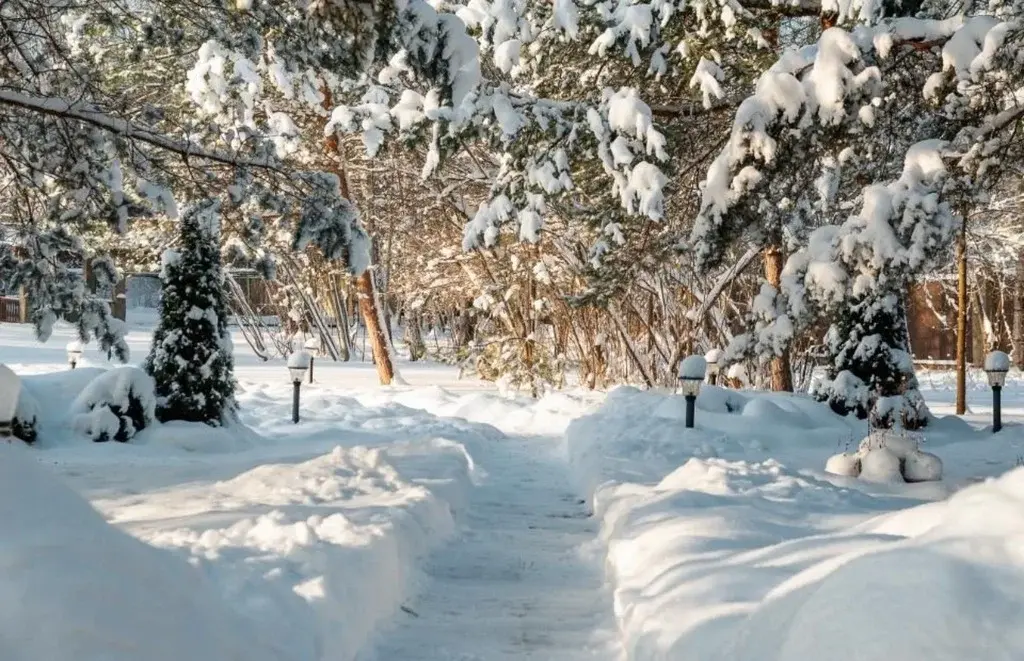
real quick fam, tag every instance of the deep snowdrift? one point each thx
(74, 587)
(718, 552)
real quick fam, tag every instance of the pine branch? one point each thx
(77, 111)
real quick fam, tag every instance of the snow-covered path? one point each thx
(518, 582)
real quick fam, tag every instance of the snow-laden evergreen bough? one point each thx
(818, 108)
(191, 359)
(115, 406)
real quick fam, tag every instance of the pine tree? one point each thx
(191, 358)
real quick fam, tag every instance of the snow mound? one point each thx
(319, 553)
(951, 571)
(888, 457)
(721, 477)
(74, 587)
(340, 475)
(751, 561)
(880, 465)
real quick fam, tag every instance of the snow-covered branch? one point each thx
(82, 112)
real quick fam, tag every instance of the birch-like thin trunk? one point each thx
(961, 320)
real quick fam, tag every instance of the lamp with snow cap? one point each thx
(997, 364)
(312, 345)
(714, 360)
(74, 353)
(10, 389)
(298, 363)
(691, 373)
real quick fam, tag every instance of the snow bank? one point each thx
(73, 587)
(745, 561)
(638, 436)
(716, 552)
(316, 554)
(549, 415)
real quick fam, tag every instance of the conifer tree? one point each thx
(191, 359)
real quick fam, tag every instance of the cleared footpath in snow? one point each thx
(520, 580)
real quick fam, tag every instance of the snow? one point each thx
(693, 367)
(880, 465)
(997, 361)
(299, 360)
(440, 520)
(727, 542)
(714, 356)
(708, 76)
(102, 593)
(103, 410)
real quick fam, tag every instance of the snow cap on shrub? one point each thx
(115, 405)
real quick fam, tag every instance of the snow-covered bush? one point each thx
(26, 416)
(115, 405)
(191, 359)
(887, 456)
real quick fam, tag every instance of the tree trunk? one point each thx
(374, 330)
(781, 372)
(365, 289)
(1018, 312)
(414, 336)
(961, 320)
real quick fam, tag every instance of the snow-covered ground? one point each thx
(729, 542)
(440, 520)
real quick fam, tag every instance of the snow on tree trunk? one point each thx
(191, 358)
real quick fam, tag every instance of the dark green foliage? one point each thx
(869, 341)
(191, 359)
(24, 429)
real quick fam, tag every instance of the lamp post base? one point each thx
(691, 403)
(997, 408)
(295, 402)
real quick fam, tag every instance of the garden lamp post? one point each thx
(298, 363)
(74, 353)
(10, 389)
(714, 361)
(691, 374)
(997, 364)
(313, 348)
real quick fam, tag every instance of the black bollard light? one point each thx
(691, 374)
(997, 364)
(714, 361)
(74, 353)
(10, 390)
(298, 364)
